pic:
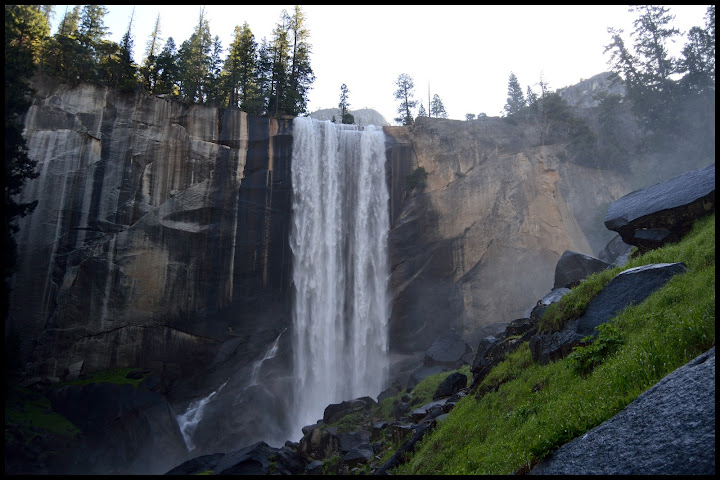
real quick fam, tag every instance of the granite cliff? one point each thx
(160, 241)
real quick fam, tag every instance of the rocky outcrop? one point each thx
(573, 267)
(478, 244)
(663, 213)
(631, 286)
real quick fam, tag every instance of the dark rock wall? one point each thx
(161, 230)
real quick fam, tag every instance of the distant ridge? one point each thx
(363, 116)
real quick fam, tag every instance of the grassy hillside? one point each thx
(522, 411)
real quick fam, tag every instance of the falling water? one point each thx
(189, 420)
(340, 265)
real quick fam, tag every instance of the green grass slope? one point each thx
(523, 411)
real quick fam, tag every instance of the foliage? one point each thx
(148, 70)
(345, 115)
(404, 93)
(469, 116)
(437, 109)
(585, 358)
(528, 410)
(648, 71)
(26, 28)
(418, 178)
(516, 100)
(421, 111)
(31, 414)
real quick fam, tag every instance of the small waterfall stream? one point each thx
(340, 266)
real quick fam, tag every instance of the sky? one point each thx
(464, 54)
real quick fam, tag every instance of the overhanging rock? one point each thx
(664, 212)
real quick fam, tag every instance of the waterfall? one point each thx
(340, 265)
(189, 420)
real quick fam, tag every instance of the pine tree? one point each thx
(26, 30)
(241, 72)
(404, 93)
(301, 75)
(194, 62)
(469, 116)
(149, 68)
(94, 49)
(279, 58)
(212, 84)
(124, 75)
(167, 70)
(515, 101)
(344, 105)
(698, 61)
(437, 109)
(421, 111)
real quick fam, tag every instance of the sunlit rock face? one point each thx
(160, 230)
(480, 242)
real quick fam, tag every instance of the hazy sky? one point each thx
(464, 53)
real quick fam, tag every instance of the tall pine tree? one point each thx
(405, 93)
(437, 109)
(516, 100)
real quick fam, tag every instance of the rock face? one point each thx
(479, 243)
(160, 231)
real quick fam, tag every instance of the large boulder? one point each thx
(261, 459)
(448, 349)
(629, 287)
(667, 430)
(616, 252)
(573, 267)
(336, 411)
(452, 384)
(664, 212)
(319, 443)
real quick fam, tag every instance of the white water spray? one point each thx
(340, 266)
(189, 420)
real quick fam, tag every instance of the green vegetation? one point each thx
(30, 414)
(522, 411)
(418, 178)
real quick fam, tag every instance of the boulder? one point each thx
(336, 411)
(351, 440)
(629, 287)
(454, 382)
(197, 465)
(319, 444)
(616, 252)
(359, 454)
(420, 413)
(260, 459)
(554, 296)
(664, 212)
(448, 349)
(574, 267)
